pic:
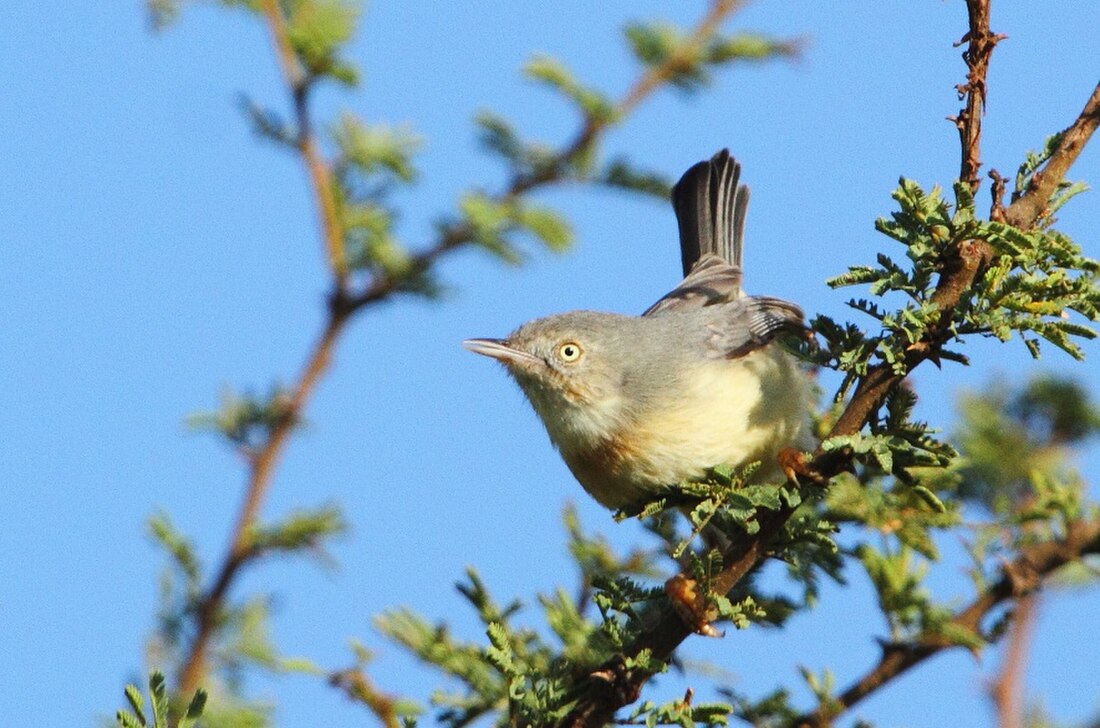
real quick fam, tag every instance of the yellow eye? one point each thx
(569, 352)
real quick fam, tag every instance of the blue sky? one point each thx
(153, 253)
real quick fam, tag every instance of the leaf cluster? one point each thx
(162, 713)
(245, 421)
(1029, 284)
(689, 63)
(241, 635)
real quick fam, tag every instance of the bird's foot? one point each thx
(691, 605)
(795, 465)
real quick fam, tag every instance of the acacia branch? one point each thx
(612, 687)
(354, 683)
(262, 469)
(1030, 206)
(980, 42)
(1022, 577)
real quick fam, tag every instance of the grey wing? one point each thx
(710, 208)
(749, 323)
(711, 281)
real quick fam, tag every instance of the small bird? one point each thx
(638, 404)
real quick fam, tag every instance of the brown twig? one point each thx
(684, 55)
(459, 234)
(299, 83)
(261, 472)
(980, 42)
(344, 303)
(358, 687)
(612, 687)
(1021, 577)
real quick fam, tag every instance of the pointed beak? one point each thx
(498, 349)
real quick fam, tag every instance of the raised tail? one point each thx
(710, 209)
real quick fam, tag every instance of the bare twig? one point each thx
(1022, 577)
(980, 42)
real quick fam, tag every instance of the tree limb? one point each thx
(1007, 691)
(457, 234)
(1029, 207)
(1023, 576)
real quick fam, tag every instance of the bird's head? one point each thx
(571, 367)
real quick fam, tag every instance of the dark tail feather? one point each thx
(710, 208)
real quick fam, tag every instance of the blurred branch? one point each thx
(1020, 578)
(457, 234)
(613, 686)
(358, 687)
(1008, 690)
(262, 468)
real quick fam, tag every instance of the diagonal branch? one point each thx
(1022, 577)
(1030, 206)
(208, 611)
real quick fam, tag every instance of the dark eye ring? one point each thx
(570, 352)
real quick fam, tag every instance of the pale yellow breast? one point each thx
(728, 412)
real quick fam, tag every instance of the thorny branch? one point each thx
(345, 300)
(980, 42)
(1020, 578)
(608, 689)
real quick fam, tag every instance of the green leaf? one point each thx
(930, 498)
(127, 720)
(749, 47)
(546, 225)
(137, 702)
(317, 30)
(159, 699)
(371, 149)
(620, 173)
(553, 72)
(195, 709)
